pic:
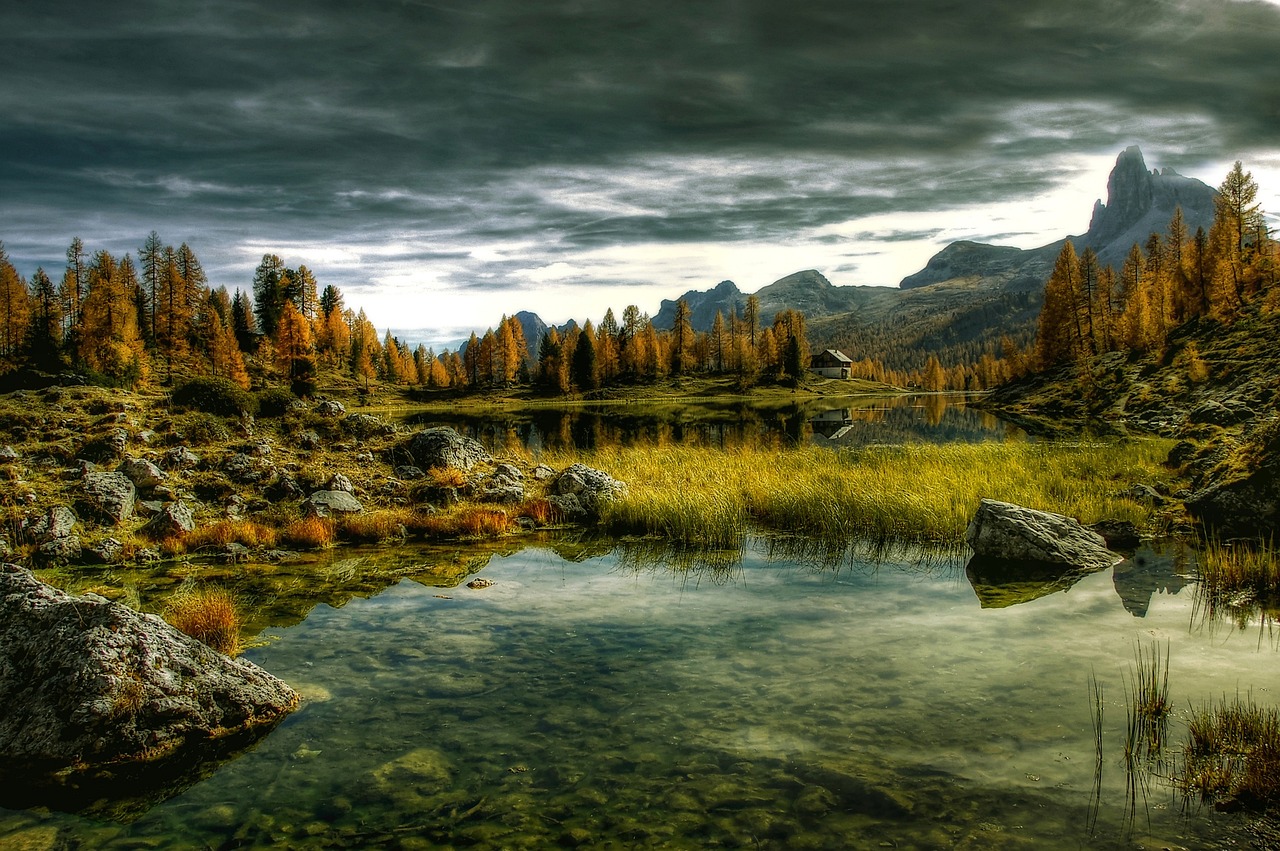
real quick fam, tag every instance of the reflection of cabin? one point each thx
(831, 364)
(833, 424)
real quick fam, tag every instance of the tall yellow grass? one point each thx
(921, 493)
(209, 615)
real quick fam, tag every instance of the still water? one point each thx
(606, 700)
(831, 421)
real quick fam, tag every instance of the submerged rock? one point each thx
(1002, 530)
(99, 698)
(443, 447)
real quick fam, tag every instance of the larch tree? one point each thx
(293, 349)
(173, 313)
(151, 256)
(109, 340)
(1060, 329)
(303, 291)
(15, 311)
(681, 339)
(75, 281)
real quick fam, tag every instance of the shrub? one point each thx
(198, 428)
(214, 396)
(447, 477)
(275, 402)
(209, 615)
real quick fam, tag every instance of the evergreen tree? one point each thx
(43, 342)
(330, 300)
(242, 322)
(270, 282)
(584, 358)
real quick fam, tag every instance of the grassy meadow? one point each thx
(914, 493)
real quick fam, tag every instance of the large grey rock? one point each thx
(56, 522)
(339, 482)
(329, 503)
(443, 447)
(1002, 530)
(110, 495)
(330, 408)
(592, 487)
(1227, 412)
(94, 692)
(366, 425)
(8, 455)
(141, 472)
(173, 520)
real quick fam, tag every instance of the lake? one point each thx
(618, 697)
(835, 421)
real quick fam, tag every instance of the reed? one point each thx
(918, 493)
(209, 615)
(1230, 570)
(1232, 754)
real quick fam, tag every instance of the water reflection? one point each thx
(614, 702)
(847, 421)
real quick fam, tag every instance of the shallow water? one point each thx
(616, 703)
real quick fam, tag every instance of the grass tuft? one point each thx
(1232, 754)
(373, 527)
(468, 521)
(209, 615)
(250, 533)
(309, 533)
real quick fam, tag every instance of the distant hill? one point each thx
(969, 295)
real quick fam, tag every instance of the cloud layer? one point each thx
(465, 157)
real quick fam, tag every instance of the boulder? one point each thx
(107, 551)
(1001, 530)
(339, 482)
(309, 440)
(100, 699)
(56, 522)
(110, 495)
(592, 487)
(329, 503)
(1227, 412)
(408, 472)
(1247, 506)
(179, 458)
(329, 408)
(8, 455)
(443, 447)
(141, 472)
(366, 425)
(285, 487)
(173, 520)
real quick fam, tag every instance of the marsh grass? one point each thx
(249, 533)
(1232, 754)
(1240, 573)
(310, 533)
(915, 493)
(210, 615)
(373, 527)
(467, 521)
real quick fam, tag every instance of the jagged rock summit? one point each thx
(1139, 202)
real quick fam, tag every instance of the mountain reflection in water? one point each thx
(839, 421)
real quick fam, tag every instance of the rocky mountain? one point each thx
(970, 294)
(1139, 202)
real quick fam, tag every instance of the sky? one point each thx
(444, 163)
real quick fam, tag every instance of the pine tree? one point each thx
(242, 322)
(269, 285)
(584, 358)
(330, 300)
(43, 342)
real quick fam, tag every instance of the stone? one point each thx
(110, 495)
(245, 470)
(1145, 494)
(146, 437)
(543, 473)
(443, 447)
(179, 458)
(366, 425)
(566, 507)
(339, 482)
(141, 472)
(107, 551)
(8, 455)
(309, 440)
(56, 522)
(592, 487)
(329, 408)
(285, 487)
(408, 472)
(1002, 530)
(175, 520)
(1119, 534)
(508, 471)
(60, 551)
(479, 583)
(99, 697)
(506, 485)
(1225, 413)
(329, 503)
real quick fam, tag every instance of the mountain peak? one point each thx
(1129, 196)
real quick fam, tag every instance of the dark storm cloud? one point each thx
(581, 124)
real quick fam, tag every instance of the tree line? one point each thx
(1174, 277)
(129, 323)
